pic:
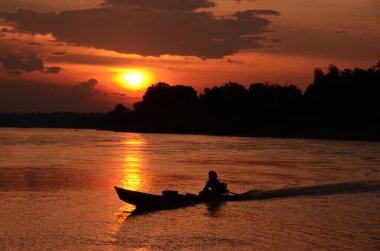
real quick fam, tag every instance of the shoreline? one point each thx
(326, 134)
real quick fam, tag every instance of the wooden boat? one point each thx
(169, 199)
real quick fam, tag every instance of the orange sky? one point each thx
(50, 50)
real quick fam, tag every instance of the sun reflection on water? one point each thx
(133, 164)
(132, 174)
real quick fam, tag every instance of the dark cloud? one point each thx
(16, 64)
(118, 96)
(5, 30)
(148, 32)
(231, 61)
(115, 93)
(47, 5)
(183, 5)
(53, 69)
(249, 13)
(58, 53)
(34, 43)
(20, 95)
(86, 88)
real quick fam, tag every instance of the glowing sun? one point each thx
(133, 79)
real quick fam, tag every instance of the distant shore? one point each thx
(339, 104)
(349, 134)
(325, 134)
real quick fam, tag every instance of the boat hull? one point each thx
(145, 201)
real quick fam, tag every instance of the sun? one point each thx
(133, 79)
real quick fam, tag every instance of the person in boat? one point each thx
(213, 186)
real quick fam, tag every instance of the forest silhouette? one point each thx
(338, 104)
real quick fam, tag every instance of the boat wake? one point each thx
(327, 189)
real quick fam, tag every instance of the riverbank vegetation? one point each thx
(340, 104)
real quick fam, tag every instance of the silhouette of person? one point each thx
(213, 186)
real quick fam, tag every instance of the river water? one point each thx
(56, 192)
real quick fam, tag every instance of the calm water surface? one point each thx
(56, 192)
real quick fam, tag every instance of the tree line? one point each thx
(337, 104)
(338, 101)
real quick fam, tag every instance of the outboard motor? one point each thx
(223, 188)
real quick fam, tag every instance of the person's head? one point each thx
(212, 175)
